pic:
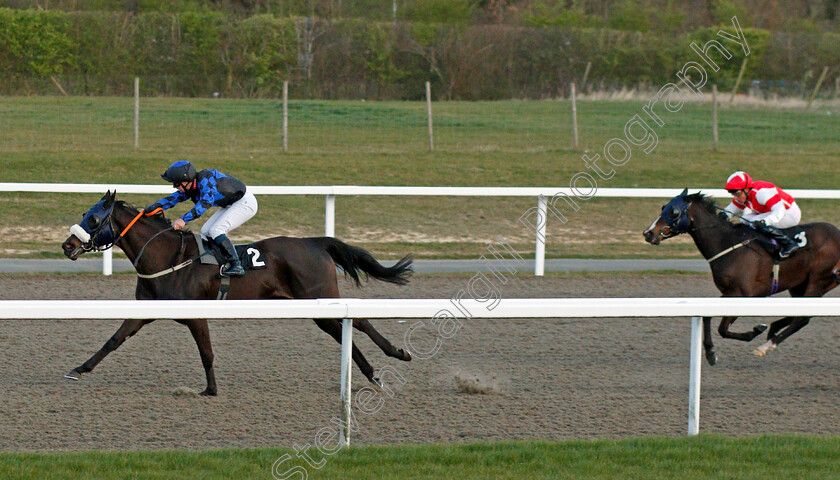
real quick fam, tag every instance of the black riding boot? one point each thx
(235, 269)
(789, 245)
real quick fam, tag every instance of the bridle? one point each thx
(91, 244)
(683, 223)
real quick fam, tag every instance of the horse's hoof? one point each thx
(405, 355)
(208, 393)
(765, 349)
(73, 375)
(376, 381)
(759, 329)
(711, 358)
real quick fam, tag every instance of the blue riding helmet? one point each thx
(95, 229)
(180, 171)
(675, 214)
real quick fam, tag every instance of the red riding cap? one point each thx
(738, 181)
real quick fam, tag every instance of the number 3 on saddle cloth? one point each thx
(797, 233)
(211, 254)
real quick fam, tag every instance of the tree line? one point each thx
(199, 53)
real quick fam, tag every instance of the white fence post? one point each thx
(542, 219)
(694, 376)
(329, 217)
(346, 366)
(107, 261)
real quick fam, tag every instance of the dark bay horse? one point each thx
(295, 268)
(741, 267)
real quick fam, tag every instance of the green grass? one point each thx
(508, 143)
(702, 458)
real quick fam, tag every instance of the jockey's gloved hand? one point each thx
(759, 224)
(723, 216)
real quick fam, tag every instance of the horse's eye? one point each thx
(93, 222)
(675, 212)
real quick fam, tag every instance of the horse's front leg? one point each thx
(726, 322)
(127, 329)
(708, 344)
(201, 334)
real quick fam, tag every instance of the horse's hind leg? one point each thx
(127, 329)
(365, 326)
(779, 331)
(778, 325)
(708, 344)
(201, 334)
(333, 328)
(726, 322)
(769, 345)
(785, 327)
(796, 324)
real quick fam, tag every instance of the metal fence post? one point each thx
(329, 216)
(694, 376)
(346, 368)
(542, 218)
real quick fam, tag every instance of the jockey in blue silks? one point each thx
(210, 188)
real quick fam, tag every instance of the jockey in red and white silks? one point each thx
(759, 200)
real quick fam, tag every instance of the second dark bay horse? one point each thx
(742, 267)
(295, 268)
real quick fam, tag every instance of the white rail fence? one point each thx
(540, 211)
(350, 308)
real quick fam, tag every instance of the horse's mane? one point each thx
(704, 201)
(708, 204)
(159, 219)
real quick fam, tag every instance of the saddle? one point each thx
(772, 246)
(211, 254)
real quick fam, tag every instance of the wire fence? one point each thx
(190, 126)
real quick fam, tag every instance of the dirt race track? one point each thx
(495, 380)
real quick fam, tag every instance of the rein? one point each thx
(731, 249)
(168, 270)
(137, 260)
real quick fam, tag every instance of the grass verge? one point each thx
(688, 458)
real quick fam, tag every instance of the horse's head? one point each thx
(672, 221)
(95, 231)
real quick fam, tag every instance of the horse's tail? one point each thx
(354, 260)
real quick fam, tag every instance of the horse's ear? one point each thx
(684, 192)
(109, 198)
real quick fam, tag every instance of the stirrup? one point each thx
(231, 271)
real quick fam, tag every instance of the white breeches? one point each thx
(792, 217)
(230, 217)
